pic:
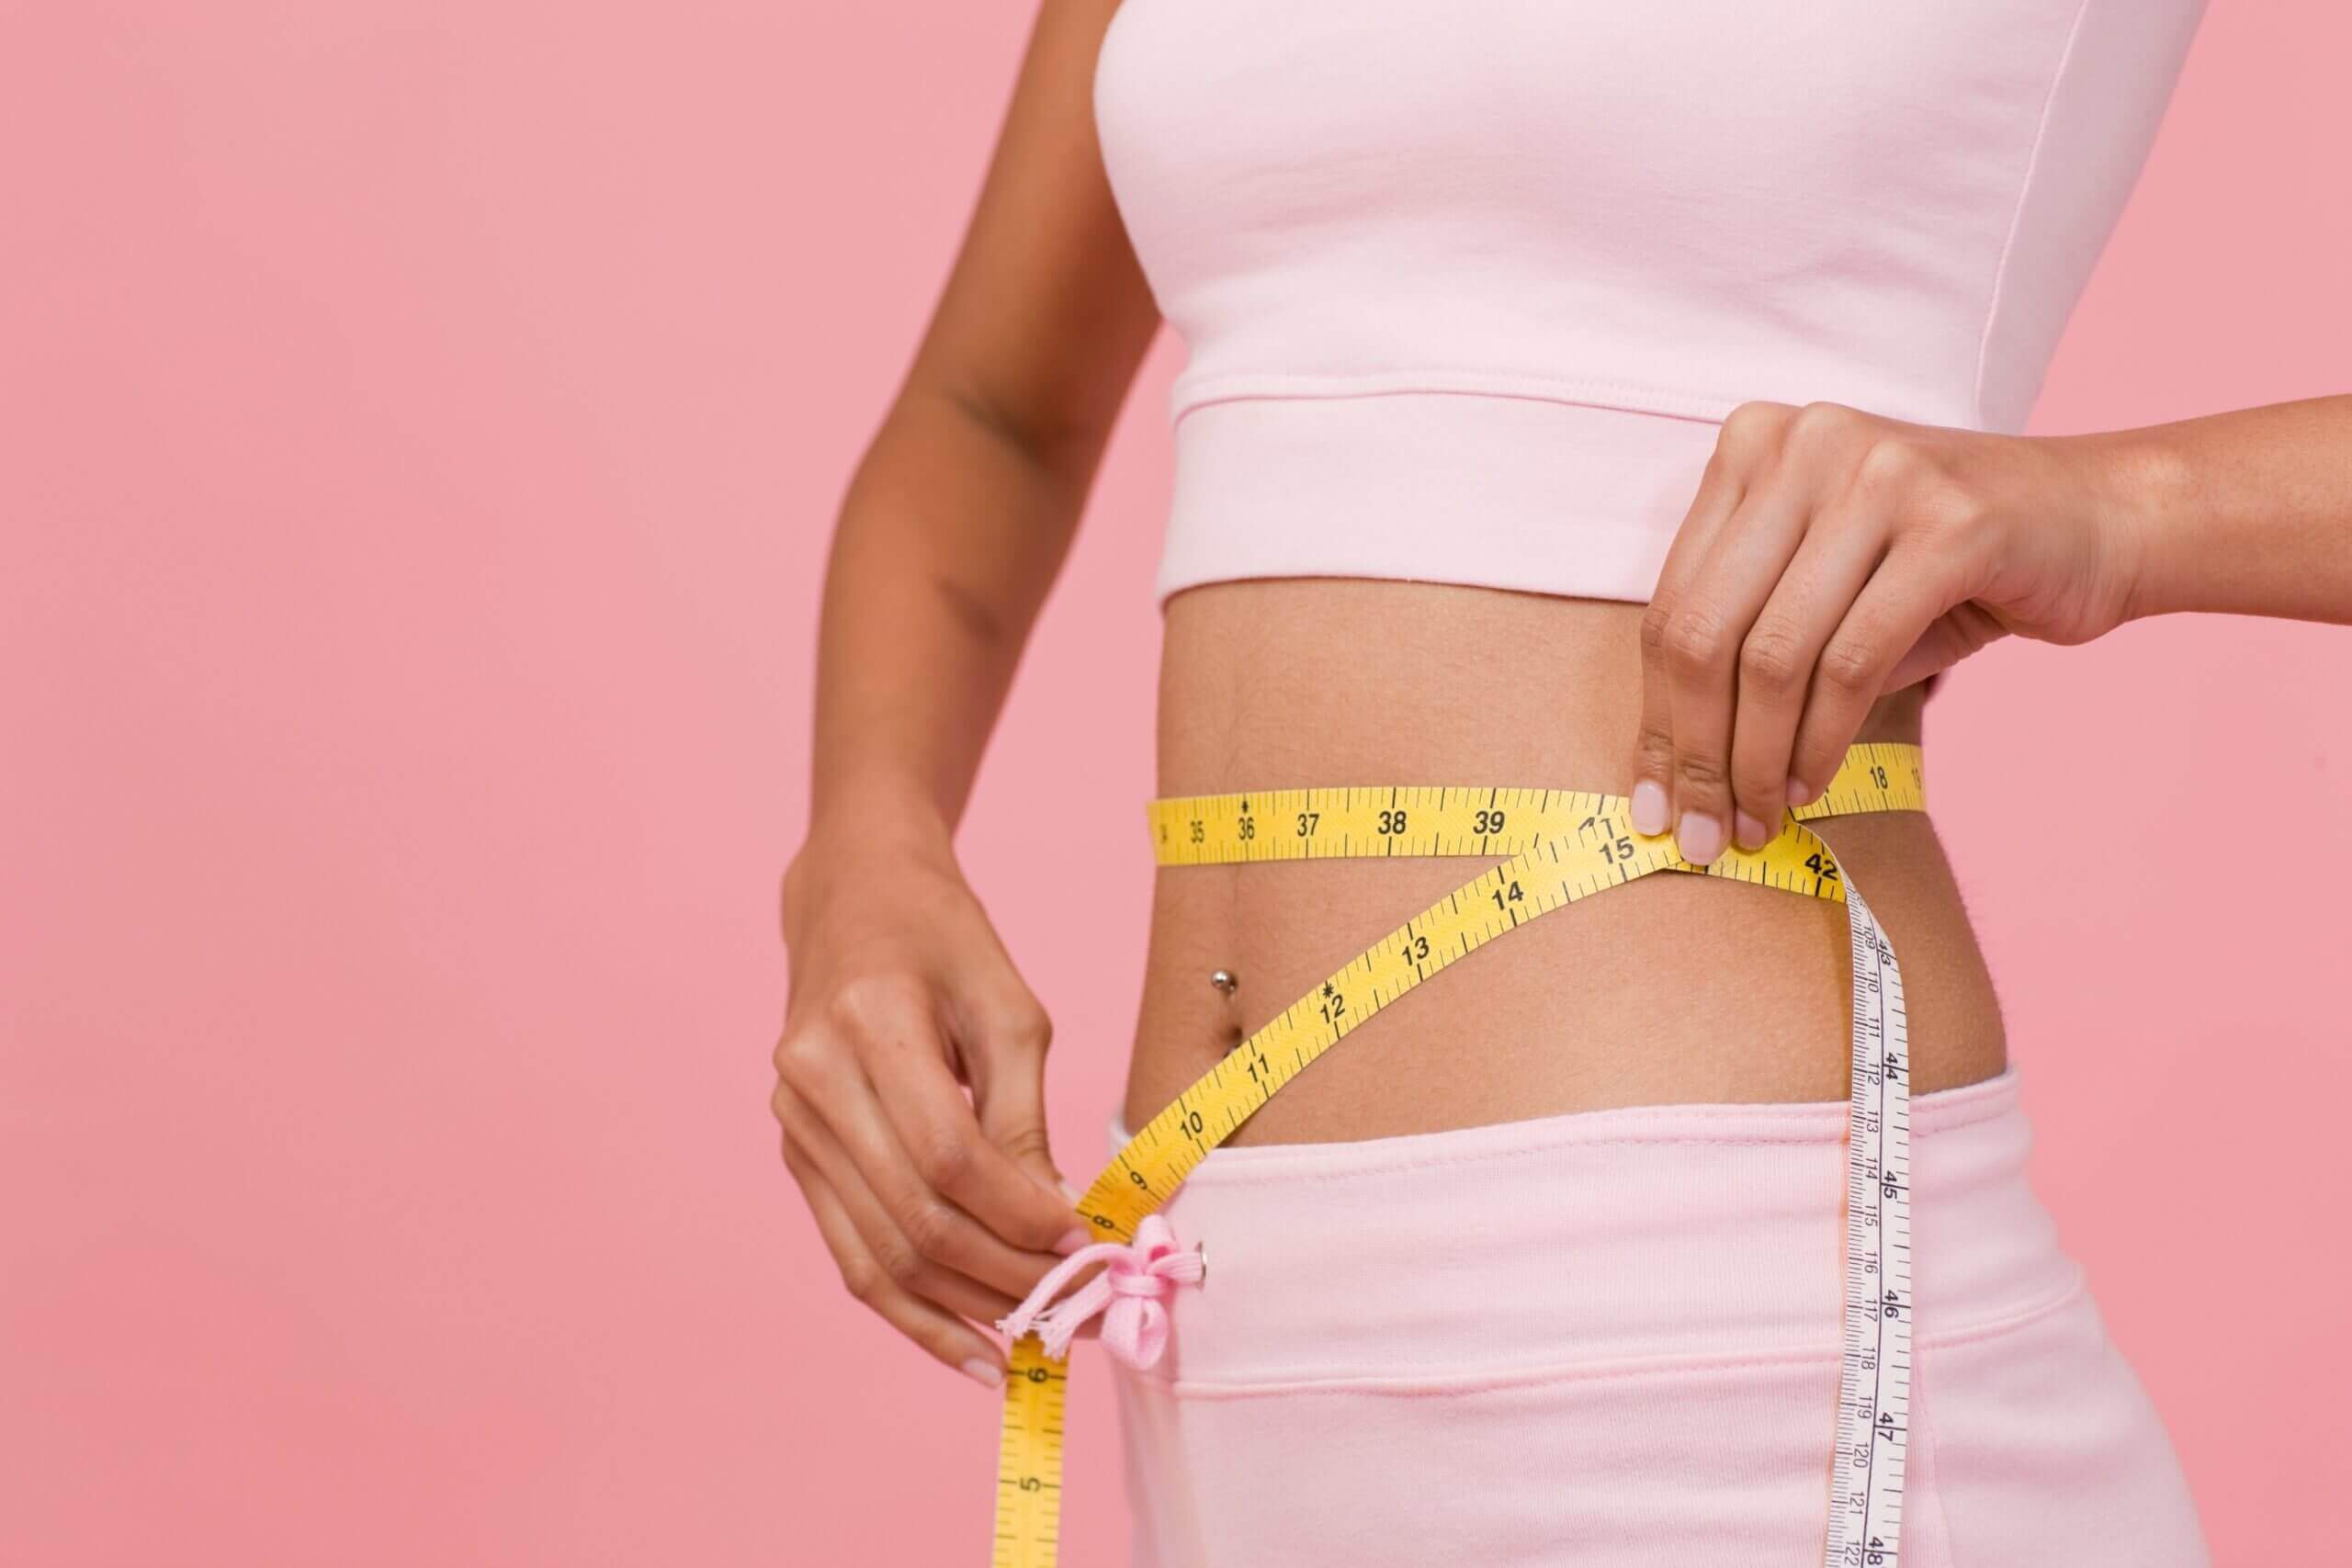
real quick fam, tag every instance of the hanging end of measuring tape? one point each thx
(1029, 1457)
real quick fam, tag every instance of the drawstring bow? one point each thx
(1129, 1294)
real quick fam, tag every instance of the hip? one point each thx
(1614, 1337)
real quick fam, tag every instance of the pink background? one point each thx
(420, 424)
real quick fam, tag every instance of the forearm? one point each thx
(2248, 513)
(949, 537)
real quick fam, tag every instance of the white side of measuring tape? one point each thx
(1874, 1373)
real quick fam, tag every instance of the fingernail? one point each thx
(1071, 1243)
(1800, 792)
(982, 1370)
(1751, 830)
(1700, 838)
(1649, 808)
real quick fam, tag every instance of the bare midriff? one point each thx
(1670, 990)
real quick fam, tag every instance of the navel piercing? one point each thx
(1224, 980)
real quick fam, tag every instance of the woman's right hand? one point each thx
(937, 1208)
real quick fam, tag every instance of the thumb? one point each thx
(1950, 638)
(1008, 1098)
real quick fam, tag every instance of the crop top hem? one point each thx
(1501, 490)
(1189, 393)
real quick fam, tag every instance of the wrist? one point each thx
(2141, 477)
(880, 806)
(862, 822)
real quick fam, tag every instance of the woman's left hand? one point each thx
(1831, 557)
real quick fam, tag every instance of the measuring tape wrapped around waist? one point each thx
(1560, 846)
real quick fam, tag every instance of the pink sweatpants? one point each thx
(1610, 1338)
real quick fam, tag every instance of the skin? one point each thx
(1830, 560)
(1742, 990)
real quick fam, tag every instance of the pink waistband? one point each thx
(1605, 1236)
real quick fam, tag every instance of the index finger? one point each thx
(1720, 485)
(941, 1133)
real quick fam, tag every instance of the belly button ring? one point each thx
(1225, 981)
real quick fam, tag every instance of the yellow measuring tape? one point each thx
(1562, 846)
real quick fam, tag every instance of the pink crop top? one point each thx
(1467, 287)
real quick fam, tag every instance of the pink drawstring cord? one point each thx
(1135, 1326)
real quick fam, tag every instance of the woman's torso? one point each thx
(1465, 291)
(1670, 989)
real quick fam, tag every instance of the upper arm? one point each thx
(1045, 313)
